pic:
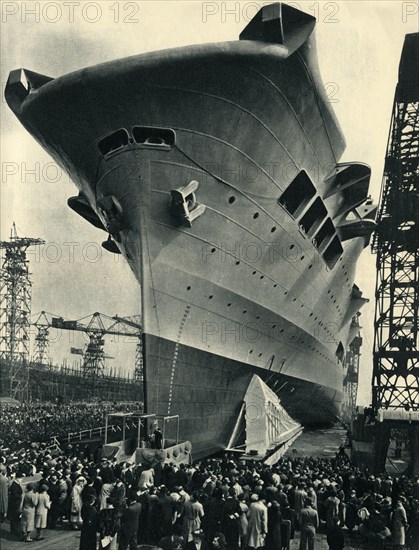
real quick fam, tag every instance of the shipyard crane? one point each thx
(395, 384)
(96, 326)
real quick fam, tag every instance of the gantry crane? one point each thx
(395, 383)
(96, 326)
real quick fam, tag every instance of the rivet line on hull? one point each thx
(175, 356)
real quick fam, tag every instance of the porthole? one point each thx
(251, 351)
(229, 304)
(258, 317)
(188, 288)
(254, 273)
(273, 229)
(212, 250)
(310, 266)
(232, 199)
(292, 246)
(302, 257)
(238, 262)
(210, 297)
(245, 311)
(275, 285)
(262, 276)
(255, 215)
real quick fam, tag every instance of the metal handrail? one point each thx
(78, 436)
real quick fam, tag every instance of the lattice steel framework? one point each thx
(139, 365)
(352, 362)
(97, 327)
(41, 354)
(396, 242)
(15, 298)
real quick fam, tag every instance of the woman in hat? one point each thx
(192, 513)
(399, 523)
(30, 500)
(41, 512)
(77, 503)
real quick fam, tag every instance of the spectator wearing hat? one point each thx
(109, 525)
(30, 501)
(15, 505)
(41, 512)
(77, 503)
(192, 512)
(399, 523)
(129, 524)
(158, 438)
(105, 494)
(166, 506)
(258, 522)
(273, 537)
(309, 524)
(198, 542)
(90, 524)
(243, 523)
(63, 495)
(332, 509)
(219, 542)
(117, 497)
(230, 519)
(54, 494)
(153, 516)
(300, 496)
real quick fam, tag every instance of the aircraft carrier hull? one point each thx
(215, 170)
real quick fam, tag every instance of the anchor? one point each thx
(184, 204)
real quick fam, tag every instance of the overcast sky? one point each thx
(359, 46)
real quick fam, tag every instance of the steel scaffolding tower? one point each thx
(94, 356)
(396, 243)
(15, 309)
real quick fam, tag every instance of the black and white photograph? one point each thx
(209, 275)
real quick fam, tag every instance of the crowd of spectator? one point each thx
(37, 422)
(218, 503)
